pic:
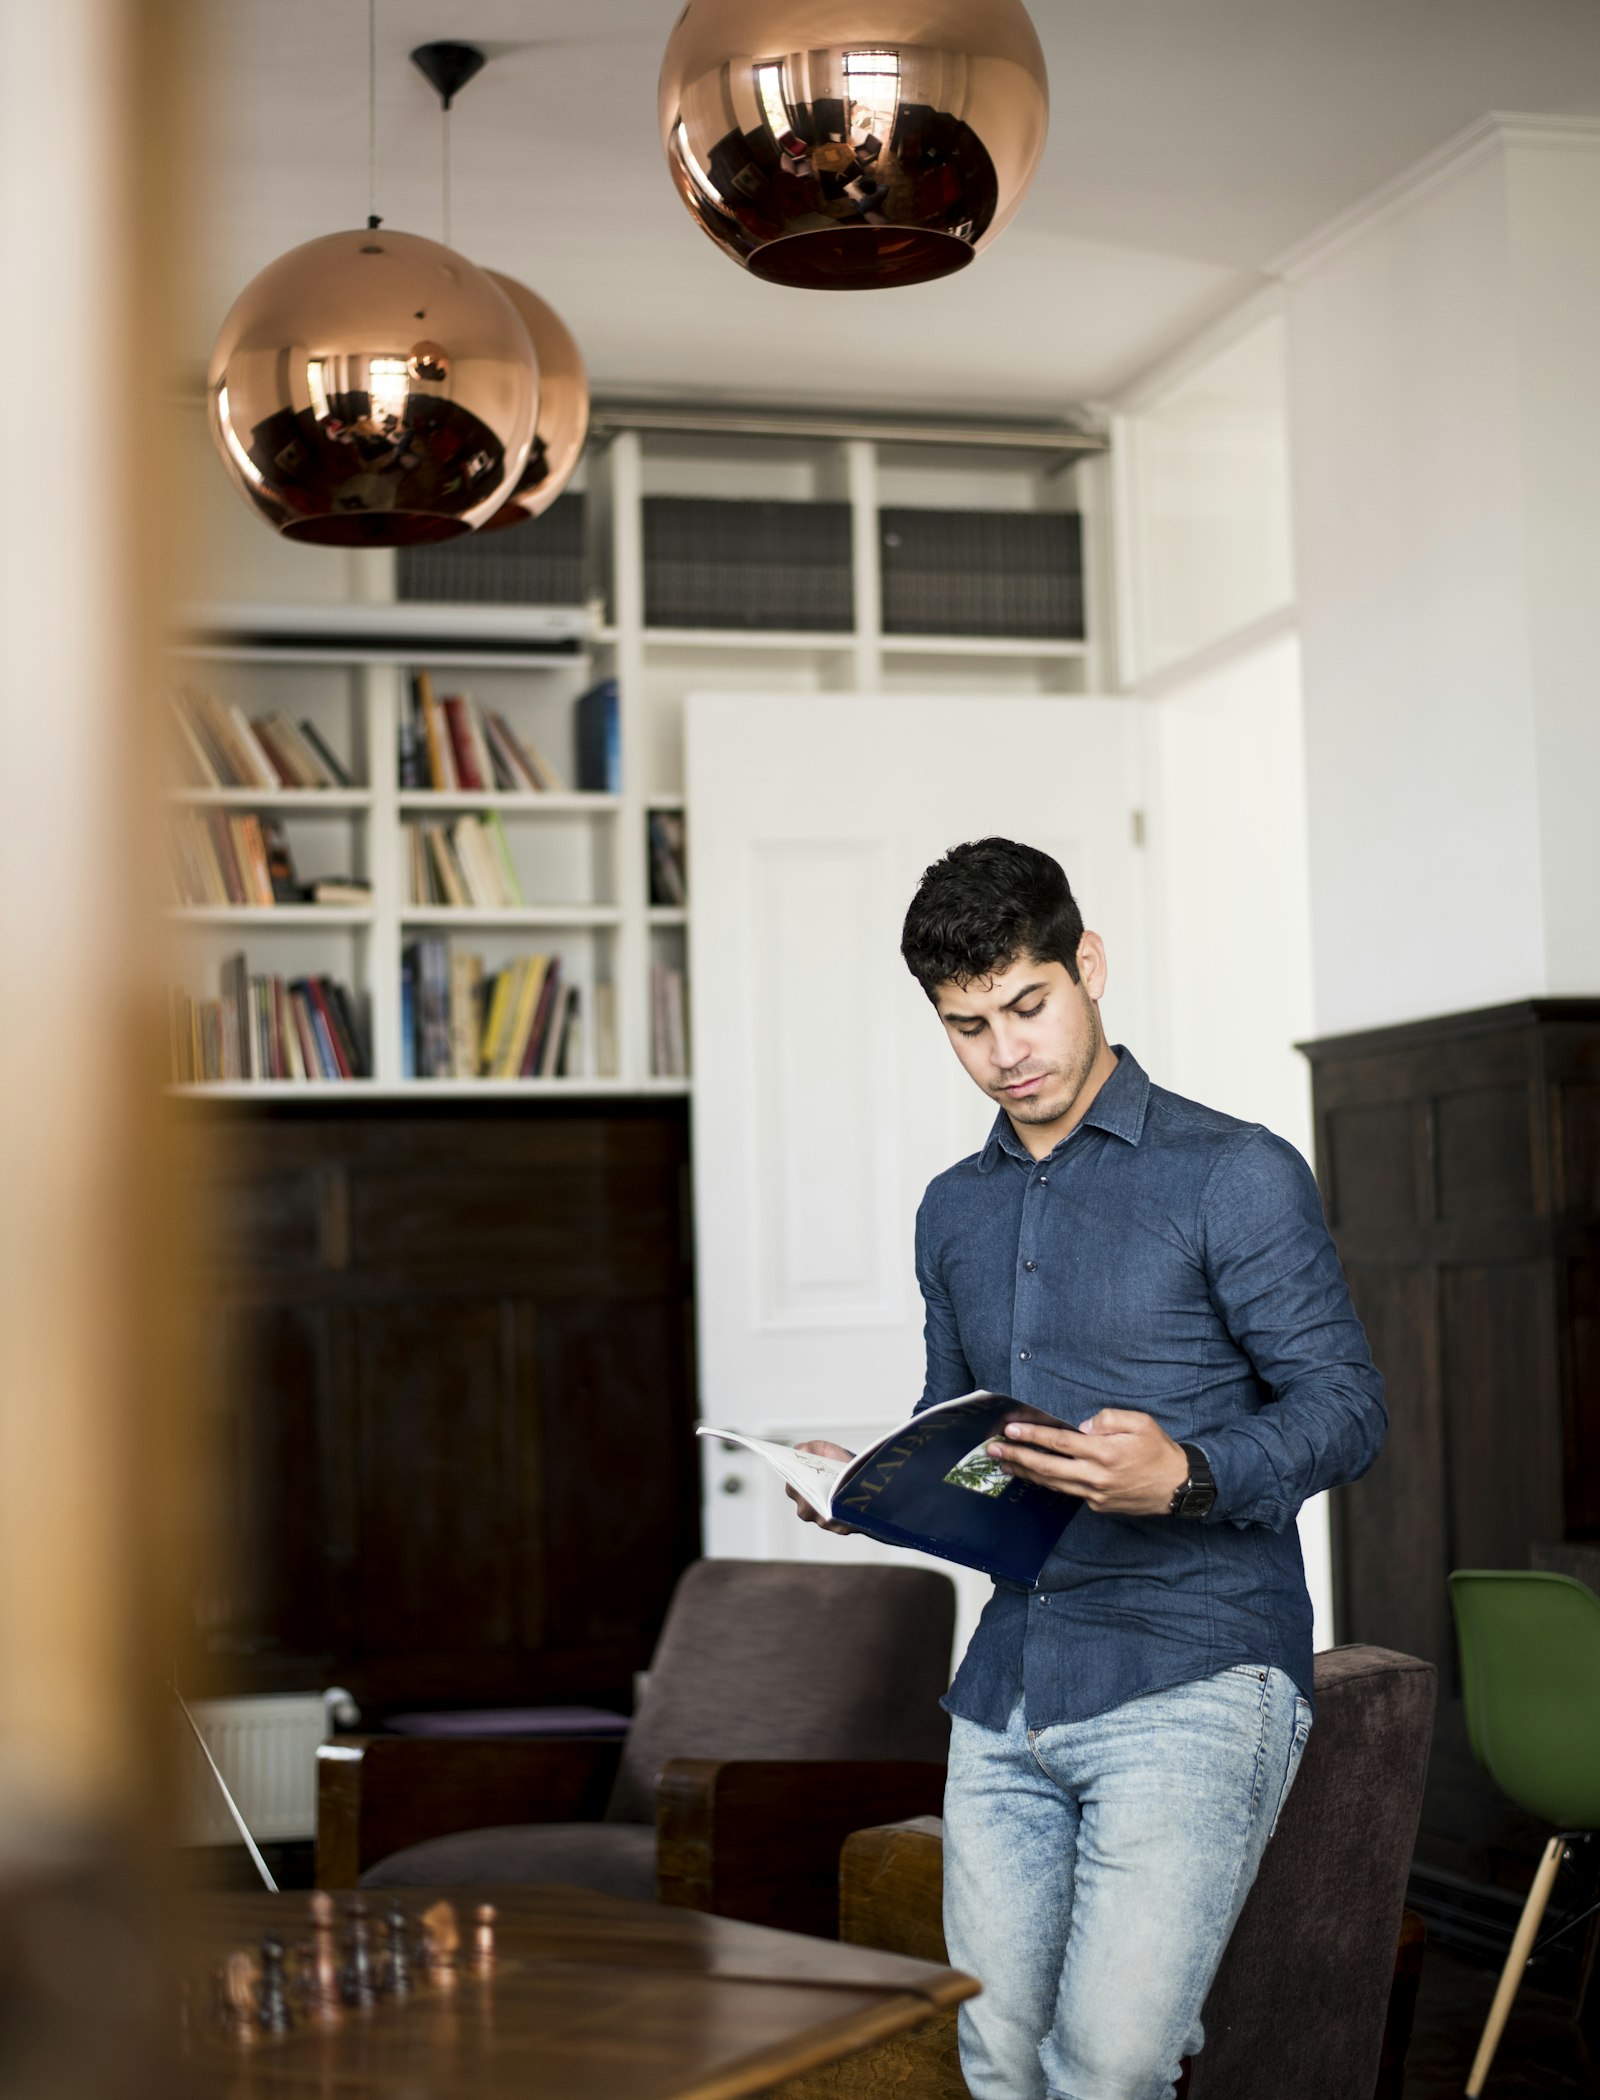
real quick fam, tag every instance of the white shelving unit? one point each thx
(582, 857)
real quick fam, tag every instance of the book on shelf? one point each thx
(599, 726)
(668, 884)
(466, 864)
(268, 1028)
(219, 859)
(523, 1021)
(669, 1052)
(453, 745)
(930, 1485)
(605, 1030)
(220, 747)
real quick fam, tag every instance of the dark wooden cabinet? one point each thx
(446, 1397)
(1460, 1167)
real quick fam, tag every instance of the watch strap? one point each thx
(1198, 1493)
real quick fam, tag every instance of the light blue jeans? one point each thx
(1093, 1873)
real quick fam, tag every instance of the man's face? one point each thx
(1028, 1035)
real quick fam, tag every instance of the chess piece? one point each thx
(359, 1987)
(483, 1938)
(239, 1999)
(272, 2002)
(397, 1975)
(441, 1939)
(324, 1994)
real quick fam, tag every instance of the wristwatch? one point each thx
(1199, 1491)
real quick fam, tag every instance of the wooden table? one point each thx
(591, 1998)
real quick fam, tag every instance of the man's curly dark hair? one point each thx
(984, 904)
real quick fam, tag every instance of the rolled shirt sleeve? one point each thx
(1277, 1284)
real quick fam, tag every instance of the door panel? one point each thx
(826, 1095)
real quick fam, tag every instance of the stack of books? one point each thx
(218, 859)
(302, 1028)
(218, 747)
(454, 744)
(468, 864)
(459, 1022)
(669, 1049)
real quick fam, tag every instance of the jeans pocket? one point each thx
(1297, 1747)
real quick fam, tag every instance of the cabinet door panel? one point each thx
(1390, 1537)
(274, 1442)
(620, 1466)
(442, 1514)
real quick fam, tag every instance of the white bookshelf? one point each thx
(343, 653)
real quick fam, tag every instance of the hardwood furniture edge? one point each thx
(378, 1796)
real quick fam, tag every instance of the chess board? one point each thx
(561, 1993)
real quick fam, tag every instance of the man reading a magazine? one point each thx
(1159, 1279)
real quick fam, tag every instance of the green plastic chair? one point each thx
(1530, 1668)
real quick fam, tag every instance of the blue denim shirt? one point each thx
(1173, 1260)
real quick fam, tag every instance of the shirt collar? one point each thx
(1118, 1108)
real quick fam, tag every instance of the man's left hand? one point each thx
(1118, 1461)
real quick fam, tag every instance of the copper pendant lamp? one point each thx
(842, 145)
(373, 389)
(563, 423)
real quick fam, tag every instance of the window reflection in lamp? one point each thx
(230, 437)
(769, 87)
(697, 175)
(317, 389)
(872, 88)
(388, 384)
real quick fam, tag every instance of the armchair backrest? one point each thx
(792, 1659)
(1312, 1959)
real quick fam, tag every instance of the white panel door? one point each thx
(826, 1096)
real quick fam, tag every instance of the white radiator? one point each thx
(267, 1751)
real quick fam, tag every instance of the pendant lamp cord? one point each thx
(444, 176)
(372, 115)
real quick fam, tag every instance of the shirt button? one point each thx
(1044, 1180)
(1023, 1355)
(1030, 1266)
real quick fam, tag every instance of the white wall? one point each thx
(1206, 628)
(1443, 402)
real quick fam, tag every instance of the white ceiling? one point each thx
(1191, 142)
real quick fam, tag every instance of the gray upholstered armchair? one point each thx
(788, 1703)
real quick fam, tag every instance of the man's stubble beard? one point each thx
(1037, 1108)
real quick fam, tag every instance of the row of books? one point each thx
(467, 863)
(218, 859)
(221, 747)
(302, 1028)
(520, 1022)
(668, 882)
(669, 1047)
(454, 744)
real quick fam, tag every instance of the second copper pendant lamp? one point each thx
(563, 413)
(846, 145)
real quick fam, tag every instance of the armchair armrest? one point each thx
(760, 1840)
(378, 1793)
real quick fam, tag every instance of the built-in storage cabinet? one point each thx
(1458, 1163)
(447, 1397)
(687, 562)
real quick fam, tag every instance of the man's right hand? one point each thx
(807, 1514)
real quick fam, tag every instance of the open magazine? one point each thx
(930, 1484)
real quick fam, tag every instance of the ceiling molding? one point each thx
(612, 412)
(1147, 387)
(1480, 141)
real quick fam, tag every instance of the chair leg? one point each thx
(1516, 1961)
